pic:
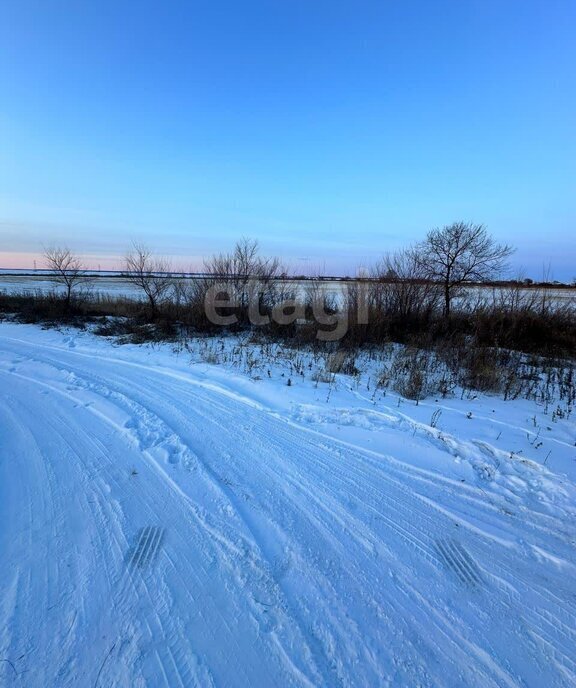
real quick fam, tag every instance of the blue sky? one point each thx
(331, 131)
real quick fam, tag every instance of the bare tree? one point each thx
(247, 274)
(150, 274)
(244, 263)
(67, 269)
(402, 288)
(459, 253)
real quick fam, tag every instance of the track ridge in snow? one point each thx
(457, 558)
(145, 550)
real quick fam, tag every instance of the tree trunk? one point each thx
(446, 300)
(152, 306)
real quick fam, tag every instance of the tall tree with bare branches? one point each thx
(150, 274)
(67, 269)
(461, 252)
(246, 271)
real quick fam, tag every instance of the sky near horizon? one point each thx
(330, 131)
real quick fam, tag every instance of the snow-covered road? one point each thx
(161, 528)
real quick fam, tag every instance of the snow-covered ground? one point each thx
(103, 285)
(106, 284)
(168, 522)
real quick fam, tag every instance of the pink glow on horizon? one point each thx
(25, 261)
(19, 261)
(13, 260)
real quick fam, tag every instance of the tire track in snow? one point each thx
(326, 662)
(210, 530)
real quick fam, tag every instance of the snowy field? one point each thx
(106, 285)
(168, 522)
(109, 284)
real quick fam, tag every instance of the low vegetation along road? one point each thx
(160, 526)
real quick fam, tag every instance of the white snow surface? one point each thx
(165, 522)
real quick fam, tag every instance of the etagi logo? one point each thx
(264, 303)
